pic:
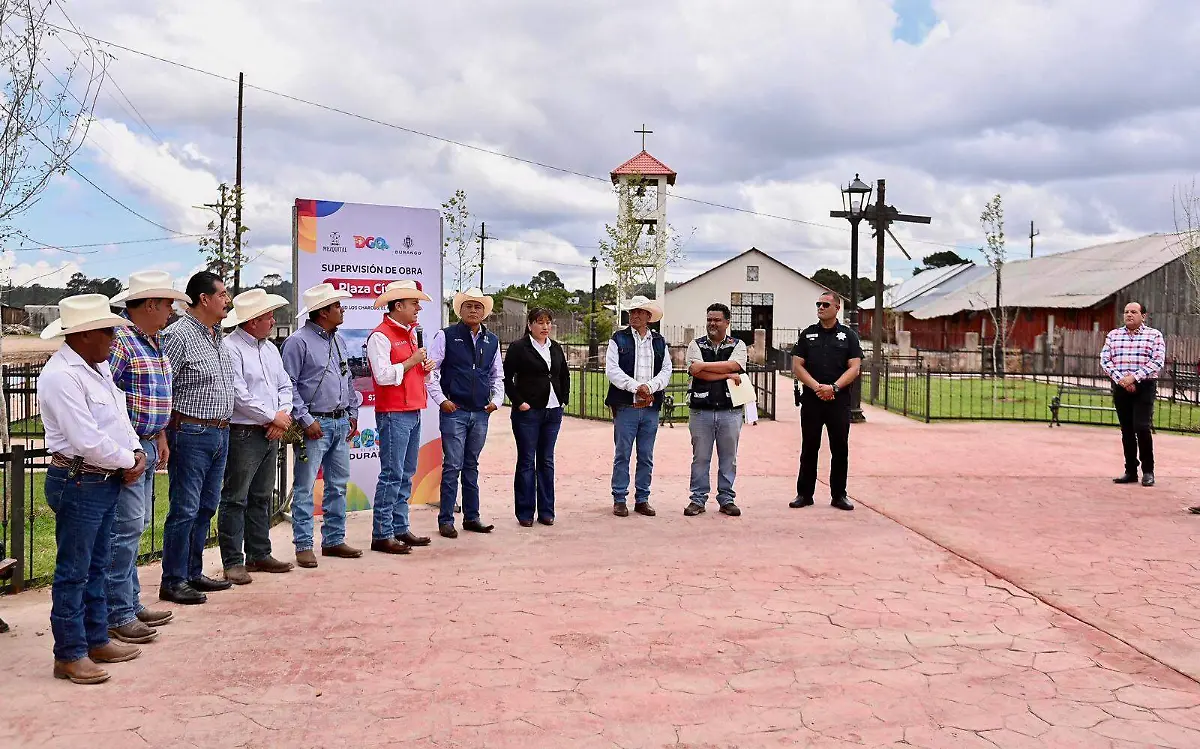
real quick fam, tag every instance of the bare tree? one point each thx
(47, 113)
(460, 253)
(634, 248)
(1186, 209)
(221, 253)
(992, 221)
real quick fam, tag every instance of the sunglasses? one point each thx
(824, 305)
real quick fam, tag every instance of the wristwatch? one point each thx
(835, 388)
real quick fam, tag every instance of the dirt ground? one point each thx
(24, 348)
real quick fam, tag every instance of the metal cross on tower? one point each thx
(644, 132)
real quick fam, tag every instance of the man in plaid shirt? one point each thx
(1132, 357)
(141, 371)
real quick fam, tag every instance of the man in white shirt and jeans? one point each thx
(95, 451)
(638, 366)
(262, 411)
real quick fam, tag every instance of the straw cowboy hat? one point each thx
(81, 313)
(150, 284)
(473, 294)
(650, 305)
(251, 304)
(321, 295)
(403, 289)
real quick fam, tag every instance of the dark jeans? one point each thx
(817, 415)
(536, 432)
(399, 456)
(84, 508)
(245, 515)
(135, 510)
(1135, 412)
(463, 434)
(197, 470)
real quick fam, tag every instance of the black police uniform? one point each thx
(826, 353)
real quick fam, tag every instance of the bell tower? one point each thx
(648, 179)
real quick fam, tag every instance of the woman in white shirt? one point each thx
(537, 383)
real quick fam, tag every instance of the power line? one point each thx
(68, 247)
(461, 144)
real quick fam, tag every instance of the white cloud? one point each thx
(40, 272)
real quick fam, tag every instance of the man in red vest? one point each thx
(398, 365)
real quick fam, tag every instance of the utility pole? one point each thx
(222, 211)
(483, 237)
(1032, 234)
(237, 205)
(882, 216)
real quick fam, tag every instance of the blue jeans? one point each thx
(84, 508)
(722, 428)
(463, 434)
(332, 453)
(197, 470)
(135, 510)
(630, 426)
(536, 431)
(399, 446)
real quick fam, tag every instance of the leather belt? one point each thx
(249, 427)
(340, 413)
(178, 418)
(58, 460)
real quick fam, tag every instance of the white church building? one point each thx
(761, 292)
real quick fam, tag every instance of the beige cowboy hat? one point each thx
(81, 313)
(321, 295)
(150, 284)
(405, 288)
(473, 294)
(650, 305)
(250, 304)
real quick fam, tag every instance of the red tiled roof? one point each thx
(645, 165)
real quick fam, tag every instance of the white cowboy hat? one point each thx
(250, 304)
(473, 294)
(81, 313)
(150, 284)
(321, 295)
(650, 305)
(403, 289)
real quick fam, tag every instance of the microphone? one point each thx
(420, 337)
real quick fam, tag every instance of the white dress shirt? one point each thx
(261, 386)
(544, 351)
(643, 365)
(379, 354)
(437, 354)
(84, 413)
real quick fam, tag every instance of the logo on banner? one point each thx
(335, 243)
(370, 243)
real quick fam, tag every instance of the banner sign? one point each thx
(362, 248)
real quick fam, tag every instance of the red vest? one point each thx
(410, 394)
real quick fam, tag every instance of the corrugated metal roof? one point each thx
(910, 288)
(1066, 280)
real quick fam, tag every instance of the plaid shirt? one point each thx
(142, 371)
(201, 368)
(1141, 353)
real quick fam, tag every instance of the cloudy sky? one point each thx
(1081, 114)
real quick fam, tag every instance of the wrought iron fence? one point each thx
(930, 395)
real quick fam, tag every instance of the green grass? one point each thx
(597, 389)
(44, 545)
(1015, 398)
(29, 427)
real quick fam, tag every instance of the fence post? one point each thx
(906, 393)
(16, 479)
(583, 378)
(928, 396)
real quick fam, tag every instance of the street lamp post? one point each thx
(593, 344)
(855, 197)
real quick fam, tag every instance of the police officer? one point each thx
(825, 361)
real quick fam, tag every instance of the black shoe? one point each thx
(476, 526)
(801, 502)
(408, 537)
(731, 510)
(842, 503)
(1148, 478)
(620, 509)
(526, 523)
(448, 530)
(181, 593)
(546, 521)
(206, 584)
(1129, 478)
(693, 509)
